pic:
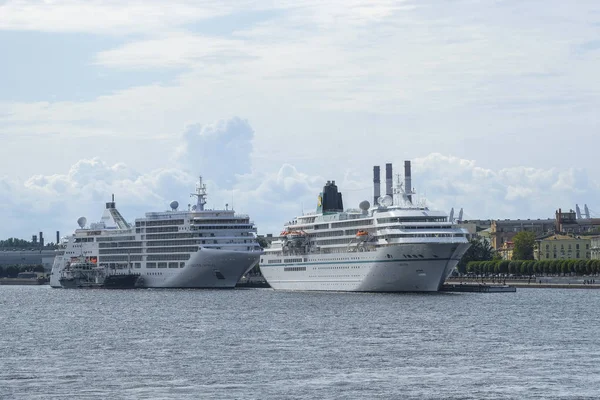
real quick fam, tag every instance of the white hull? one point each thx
(401, 268)
(207, 268)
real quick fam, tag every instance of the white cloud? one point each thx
(108, 17)
(330, 87)
(272, 197)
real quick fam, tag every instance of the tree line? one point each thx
(11, 271)
(532, 267)
(21, 244)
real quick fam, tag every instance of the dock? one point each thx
(477, 288)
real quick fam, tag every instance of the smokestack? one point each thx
(388, 179)
(407, 180)
(376, 184)
(41, 239)
(57, 237)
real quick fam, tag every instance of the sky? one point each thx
(494, 102)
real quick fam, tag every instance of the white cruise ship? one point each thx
(393, 246)
(195, 248)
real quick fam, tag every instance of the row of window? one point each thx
(119, 251)
(359, 222)
(166, 257)
(410, 219)
(159, 230)
(161, 222)
(201, 221)
(165, 265)
(577, 255)
(120, 258)
(294, 269)
(114, 238)
(182, 249)
(562, 246)
(119, 244)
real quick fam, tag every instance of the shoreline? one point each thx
(534, 283)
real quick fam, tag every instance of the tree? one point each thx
(262, 242)
(524, 243)
(480, 250)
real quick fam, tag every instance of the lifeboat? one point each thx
(362, 233)
(293, 234)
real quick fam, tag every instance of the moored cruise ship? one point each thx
(195, 248)
(392, 246)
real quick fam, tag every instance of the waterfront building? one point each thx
(506, 251)
(502, 231)
(568, 222)
(564, 247)
(27, 257)
(595, 247)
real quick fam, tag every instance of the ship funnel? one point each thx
(388, 180)
(460, 216)
(330, 200)
(408, 180)
(577, 211)
(376, 184)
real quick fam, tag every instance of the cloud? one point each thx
(222, 150)
(515, 192)
(173, 50)
(272, 197)
(108, 17)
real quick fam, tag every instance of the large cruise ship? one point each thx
(195, 248)
(392, 246)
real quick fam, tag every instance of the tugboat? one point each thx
(121, 281)
(86, 274)
(82, 274)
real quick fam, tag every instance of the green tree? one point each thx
(524, 243)
(480, 250)
(262, 242)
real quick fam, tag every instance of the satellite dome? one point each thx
(385, 201)
(364, 205)
(174, 204)
(81, 221)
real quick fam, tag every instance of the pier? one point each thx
(477, 288)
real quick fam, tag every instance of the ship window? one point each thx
(173, 265)
(162, 265)
(181, 264)
(150, 265)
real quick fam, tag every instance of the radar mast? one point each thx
(200, 194)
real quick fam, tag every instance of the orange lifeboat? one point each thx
(293, 234)
(362, 233)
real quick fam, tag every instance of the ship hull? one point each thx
(402, 268)
(206, 269)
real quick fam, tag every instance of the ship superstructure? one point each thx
(393, 246)
(194, 248)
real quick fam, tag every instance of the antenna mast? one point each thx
(200, 194)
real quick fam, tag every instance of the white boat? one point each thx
(195, 248)
(392, 246)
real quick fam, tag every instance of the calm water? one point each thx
(262, 344)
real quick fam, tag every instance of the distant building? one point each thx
(595, 248)
(506, 251)
(479, 224)
(502, 231)
(564, 247)
(27, 257)
(567, 222)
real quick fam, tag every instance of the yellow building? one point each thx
(506, 251)
(560, 247)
